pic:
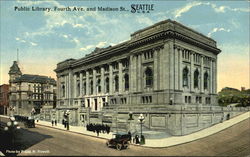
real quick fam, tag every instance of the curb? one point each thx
(90, 135)
(71, 131)
(151, 146)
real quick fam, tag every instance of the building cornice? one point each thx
(163, 30)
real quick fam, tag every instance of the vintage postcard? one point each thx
(124, 78)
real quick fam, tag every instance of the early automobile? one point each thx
(119, 141)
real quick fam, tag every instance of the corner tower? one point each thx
(14, 72)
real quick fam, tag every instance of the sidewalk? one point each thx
(75, 129)
(176, 140)
(164, 142)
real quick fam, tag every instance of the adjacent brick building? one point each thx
(31, 93)
(4, 98)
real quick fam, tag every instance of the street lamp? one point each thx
(141, 120)
(130, 118)
(12, 125)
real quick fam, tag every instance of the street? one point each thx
(43, 141)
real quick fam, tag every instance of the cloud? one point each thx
(20, 40)
(217, 30)
(218, 9)
(222, 9)
(87, 48)
(33, 44)
(144, 20)
(101, 44)
(177, 13)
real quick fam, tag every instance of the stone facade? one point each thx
(162, 67)
(30, 94)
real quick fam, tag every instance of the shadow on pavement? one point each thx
(12, 144)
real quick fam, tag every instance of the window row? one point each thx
(196, 76)
(146, 99)
(198, 99)
(148, 76)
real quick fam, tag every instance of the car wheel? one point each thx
(107, 144)
(118, 146)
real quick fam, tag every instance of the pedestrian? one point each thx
(52, 122)
(137, 139)
(129, 133)
(97, 131)
(55, 123)
(65, 123)
(108, 129)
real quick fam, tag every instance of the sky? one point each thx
(45, 38)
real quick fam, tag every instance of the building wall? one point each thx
(24, 96)
(4, 98)
(82, 83)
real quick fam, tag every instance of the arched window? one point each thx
(116, 83)
(149, 77)
(91, 87)
(185, 77)
(78, 89)
(84, 88)
(63, 91)
(98, 85)
(126, 81)
(107, 84)
(205, 80)
(196, 78)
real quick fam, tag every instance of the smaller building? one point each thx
(31, 94)
(4, 98)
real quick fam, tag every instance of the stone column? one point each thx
(161, 67)
(176, 69)
(74, 86)
(139, 77)
(94, 82)
(156, 82)
(215, 76)
(180, 69)
(102, 80)
(136, 73)
(81, 94)
(192, 72)
(131, 74)
(87, 83)
(70, 86)
(66, 87)
(211, 75)
(58, 87)
(120, 77)
(110, 79)
(202, 75)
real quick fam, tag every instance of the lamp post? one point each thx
(130, 118)
(12, 125)
(141, 120)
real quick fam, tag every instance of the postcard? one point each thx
(124, 78)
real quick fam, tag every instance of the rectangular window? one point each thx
(189, 99)
(88, 102)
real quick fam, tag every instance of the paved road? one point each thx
(234, 141)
